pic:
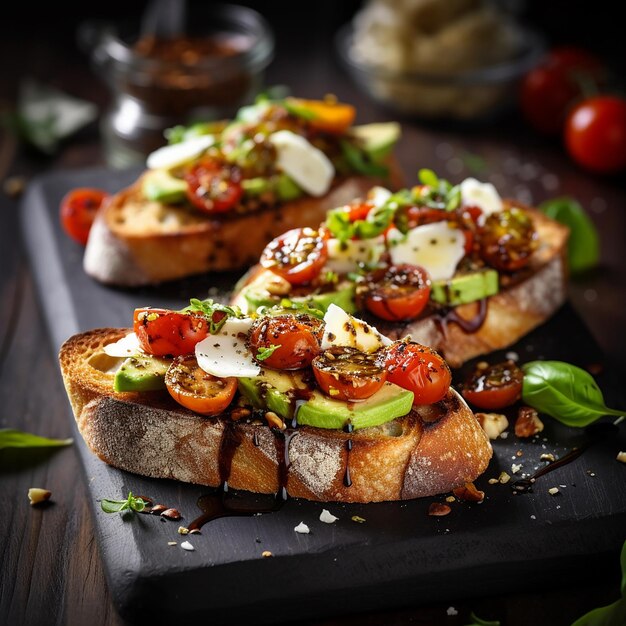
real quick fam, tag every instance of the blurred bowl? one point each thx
(469, 95)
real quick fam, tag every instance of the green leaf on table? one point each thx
(583, 247)
(477, 621)
(613, 614)
(132, 503)
(565, 392)
(11, 438)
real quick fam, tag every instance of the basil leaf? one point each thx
(209, 307)
(613, 614)
(11, 438)
(565, 392)
(136, 504)
(264, 353)
(113, 506)
(339, 224)
(428, 177)
(583, 246)
(359, 162)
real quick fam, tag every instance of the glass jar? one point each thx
(207, 72)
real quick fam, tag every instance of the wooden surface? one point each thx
(51, 568)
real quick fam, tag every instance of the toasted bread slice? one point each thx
(138, 242)
(511, 313)
(432, 450)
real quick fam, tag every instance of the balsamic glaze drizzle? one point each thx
(347, 479)
(446, 316)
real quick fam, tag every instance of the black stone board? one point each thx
(399, 555)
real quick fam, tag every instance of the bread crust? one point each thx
(430, 451)
(136, 242)
(511, 313)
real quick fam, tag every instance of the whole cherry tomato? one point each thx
(78, 210)
(595, 134)
(493, 386)
(286, 342)
(162, 332)
(419, 369)
(297, 255)
(548, 90)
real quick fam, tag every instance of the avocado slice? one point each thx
(141, 373)
(377, 139)
(342, 296)
(269, 390)
(388, 403)
(286, 189)
(465, 288)
(161, 186)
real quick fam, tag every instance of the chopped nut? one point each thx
(171, 514)
(548, 457)
(515, 467)
(266, 553)
(494, 424)
(36, 495)
(358, 519)
(239, 413)
(183, 531)
(278, 286)
(438, 509)
(528, 422)
(553, 491)
(493, 481)
(450, 499)
(621, 457)
(469, 493)
(503, 478)
(274, 421)
(519, 453)
(171, 543)
(158, 508)
(147, 500)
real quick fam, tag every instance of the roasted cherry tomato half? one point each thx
(286, 342)
(348, 374)
(326, 115)
(493, 386)
(298, 255)
(397, 293)
(507, 240)
(595, 134)
(213, 187)
(419, 369)
(359, 210)
(197, 390)
(78, 211)
(162, 332)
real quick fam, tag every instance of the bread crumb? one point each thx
(548, 457)
(621, 457)
(327, 517)
(516, 467)
(358, 519)
(185, 545)
(183, 531)
(553, 491)
(171, 543)
(37, 495)
(504, 478)
(302, 528)
(533, 517)
(494, 424)
(266, 553)
(493, 481)
(451, 611)
(450, 499)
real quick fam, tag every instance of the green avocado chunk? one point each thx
(388, 403)
(342, 296)
(283, 186)
(377, 139)
(161, 186)
(465, 288)
(141, 373)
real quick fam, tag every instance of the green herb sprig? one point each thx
(132, 503)
(264, 353)
(209, 307)
(437, 193)
(477, 621)
(12, 438)
(565, 392)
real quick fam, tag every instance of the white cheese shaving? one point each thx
(226, 353)
(302, 528)
(344, 257)
(327, 517)
(482, 195)
(185, 545)
(343, 329)
(177, 154)
(124, 347)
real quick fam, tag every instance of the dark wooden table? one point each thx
(51, 570)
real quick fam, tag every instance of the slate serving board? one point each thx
(399, 555)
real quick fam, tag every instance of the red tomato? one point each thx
(162, 332)
(418, 369)
(494, 387)
(298, 255)
(420, 215)
(197, 390)
(359, 211)
(348, 374)
(292, 341)
(78, 210)
(397, 293)
(548, 90)
(595, 134)
(211, 187)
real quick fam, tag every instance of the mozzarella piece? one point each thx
(378, 195)
(343, 329)
(124, 347)
(345, 257)
(436, 247)
(309, 167)
(226, 353)
(483, 195)
(177, 154)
